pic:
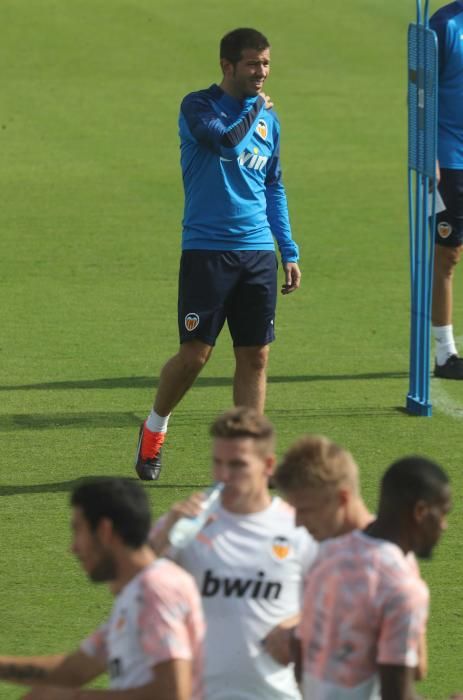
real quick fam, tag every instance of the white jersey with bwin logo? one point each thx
(249, 570)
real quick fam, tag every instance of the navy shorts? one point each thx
(449, 223)
(238, 286)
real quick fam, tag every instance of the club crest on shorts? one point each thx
(444, 229)
(191, 321)
(281, 548)
(262, 128)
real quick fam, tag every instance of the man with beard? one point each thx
(151, 646)
(235, 206)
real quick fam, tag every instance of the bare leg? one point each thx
(179, 373)
(445, 260)
(250, 380)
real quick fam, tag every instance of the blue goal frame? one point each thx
(422, 164)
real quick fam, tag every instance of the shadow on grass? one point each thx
(366, 411)
(152, 382)
(122, 419)
(45, 421)
(68, 486)
(10, 422)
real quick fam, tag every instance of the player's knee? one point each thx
(256, 358)
(456, 254)
(194, 356)
(446, 260)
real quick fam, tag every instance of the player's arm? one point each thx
(73, 670)
(280, 641)
(207, 128)
(421, 670)
(278, 218)
(404, 610)
(397, 683)
(159, 535)
(172, 682)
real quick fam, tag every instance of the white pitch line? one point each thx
(445, 403)
(441, 399)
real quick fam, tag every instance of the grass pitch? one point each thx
(90, 240)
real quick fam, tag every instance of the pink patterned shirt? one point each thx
(155, 618)
(365, 604)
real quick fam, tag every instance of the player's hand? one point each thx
(278, 644)
(159, 535)
(185, 509)
(268, 101)
(292, 277)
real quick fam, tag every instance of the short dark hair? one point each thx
(122, 501)
(233, 43)
(244, 422)
(412, 479)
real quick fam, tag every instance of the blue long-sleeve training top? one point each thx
(230, 157)
(447, 22)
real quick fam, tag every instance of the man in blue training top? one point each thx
(448, 25)
(235, 203)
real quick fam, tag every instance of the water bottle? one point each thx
(186, 529)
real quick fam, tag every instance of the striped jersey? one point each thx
(230, 158)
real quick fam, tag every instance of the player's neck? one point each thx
(359, 516)
(232, 91)
(129, 565)
(251, 503)
(391, 530)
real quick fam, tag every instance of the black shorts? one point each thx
(449, 223)
(238, 286)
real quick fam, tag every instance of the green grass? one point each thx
(90, 234)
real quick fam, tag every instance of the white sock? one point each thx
(444, 343)
(157, 423)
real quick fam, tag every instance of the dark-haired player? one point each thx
(152, 643)
(365, 604)
(235, 204)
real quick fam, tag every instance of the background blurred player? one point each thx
(248, 561)
(448, 24)
(152, 643)
(320, 480)
(365, 605)
(234, 201)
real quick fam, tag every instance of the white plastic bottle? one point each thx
(186, 529)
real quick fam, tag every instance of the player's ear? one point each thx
(420, 511)
(270, 464)
(226, 66)
(344, 495)
(105, 530)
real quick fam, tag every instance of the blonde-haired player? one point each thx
(320, 479)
